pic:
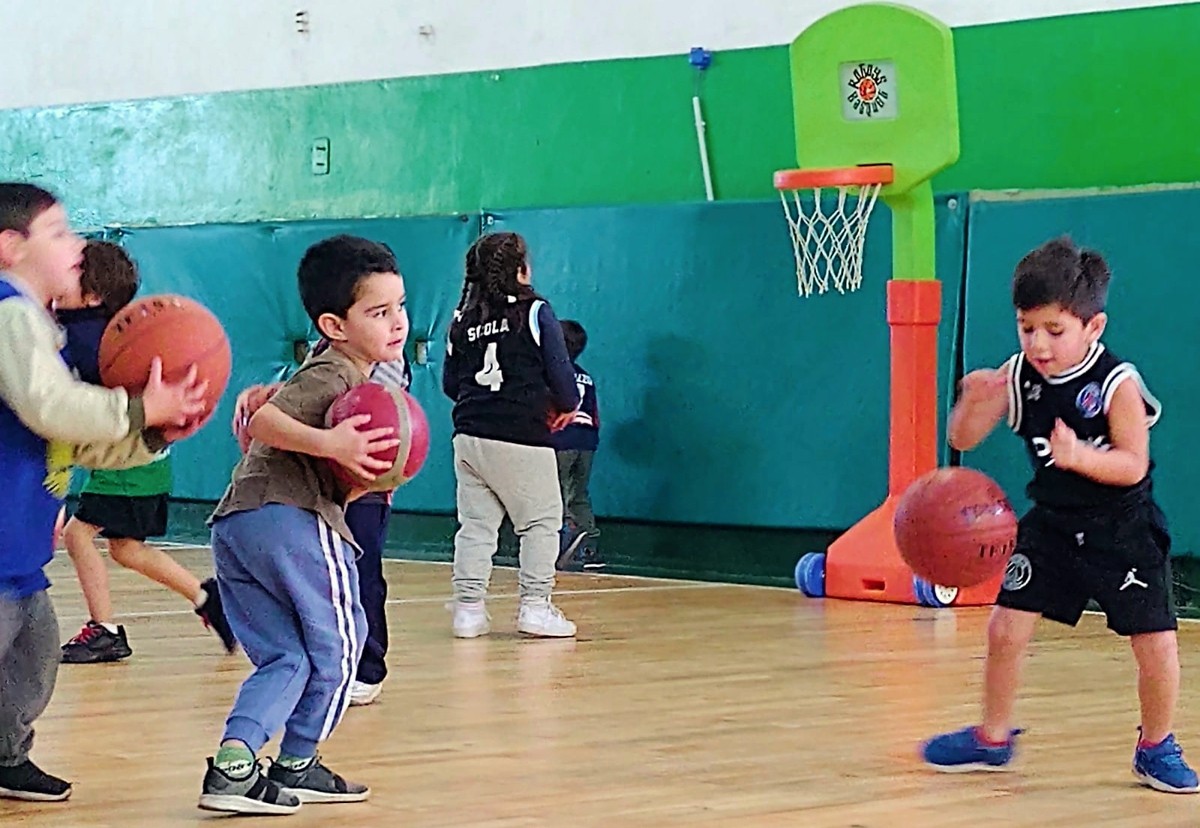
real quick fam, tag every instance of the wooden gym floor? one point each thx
(679, 704)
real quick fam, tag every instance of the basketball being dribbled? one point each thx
(387, 408)
(178, 330)
(955, 527)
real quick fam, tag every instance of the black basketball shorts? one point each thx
(121, 518)
(1119, 558)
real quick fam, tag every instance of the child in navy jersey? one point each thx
(1095, 531)
(506, 370)
(575, 448)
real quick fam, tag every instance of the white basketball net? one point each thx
(828, 242)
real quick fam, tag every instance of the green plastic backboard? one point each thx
(874, 84)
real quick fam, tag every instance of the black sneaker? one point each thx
(570, 539)
(317, 783)
(212, 613)
(29, 782)
(590, 557)
(95, 644)
(253, 793)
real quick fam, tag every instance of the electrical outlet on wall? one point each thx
(320, 156)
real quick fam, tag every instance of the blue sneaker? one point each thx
(961, 751)
(1163, 768)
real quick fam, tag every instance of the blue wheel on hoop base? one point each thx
(933, 595)
(810, 574)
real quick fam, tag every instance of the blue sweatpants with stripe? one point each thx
(290, 591)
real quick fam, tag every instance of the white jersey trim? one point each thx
(1089, 361)
(1013, 369)
(535, 327)
(1118, 375)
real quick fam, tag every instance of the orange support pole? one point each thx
(864, 563)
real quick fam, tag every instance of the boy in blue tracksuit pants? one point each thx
(284, 554)
(368, 518)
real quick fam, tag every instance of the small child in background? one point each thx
(575, 447)
(124, 506)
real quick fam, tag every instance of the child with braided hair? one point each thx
(511, 380)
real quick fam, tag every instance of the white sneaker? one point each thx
(471, 620)
(537, 616)
(362, 693)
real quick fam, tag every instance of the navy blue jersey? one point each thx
(583, 434)
(84, 328)
(1080, 398)
(507, 375)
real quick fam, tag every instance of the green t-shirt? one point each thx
(143, 481)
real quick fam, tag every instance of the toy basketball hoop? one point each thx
(875, 117)
(828, 235)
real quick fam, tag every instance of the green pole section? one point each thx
(913, 233)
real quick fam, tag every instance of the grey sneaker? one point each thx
(253, 793)
(316, 783)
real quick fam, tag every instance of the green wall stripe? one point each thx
(1079, 101)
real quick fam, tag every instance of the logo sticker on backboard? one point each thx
(868, 90)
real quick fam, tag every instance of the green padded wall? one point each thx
(1150, 242)
(247, 275)
(725, 398)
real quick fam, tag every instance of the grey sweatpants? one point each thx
(29, 654)
(495, 477)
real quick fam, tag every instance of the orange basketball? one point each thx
(178, 330)
(955, 527)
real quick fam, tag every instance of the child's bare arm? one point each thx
(1126, 462)
(984, 400)
(344, 443)
(273, 427)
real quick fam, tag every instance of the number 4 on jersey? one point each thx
(490, 375)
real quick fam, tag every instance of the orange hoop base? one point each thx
(864, 564)
(811, 179)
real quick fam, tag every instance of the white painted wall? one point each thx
(73, 51)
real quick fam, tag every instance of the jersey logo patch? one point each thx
(1089, 401)
(1018, 573)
